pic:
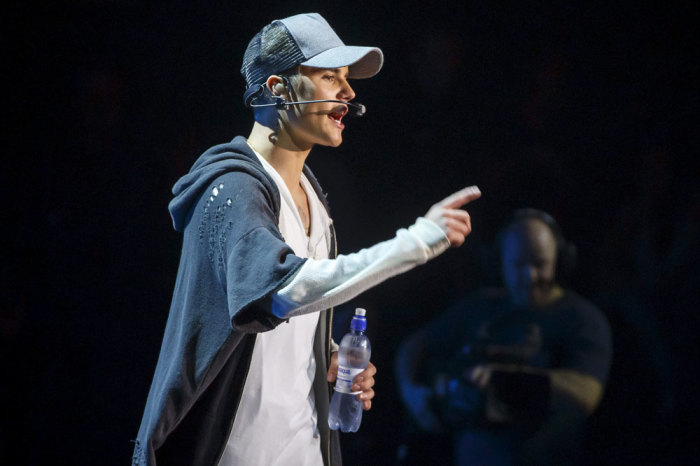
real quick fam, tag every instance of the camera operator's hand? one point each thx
(480, 375)
(417, 400)
(454, 222)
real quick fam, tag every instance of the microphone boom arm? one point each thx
(354, 109)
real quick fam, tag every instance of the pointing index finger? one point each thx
(461, 197)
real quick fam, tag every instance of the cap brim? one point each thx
(363, 62)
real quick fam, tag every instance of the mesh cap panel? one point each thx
(271, 51)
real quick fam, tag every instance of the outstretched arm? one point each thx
(320, 284)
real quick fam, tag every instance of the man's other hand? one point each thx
(364, 381)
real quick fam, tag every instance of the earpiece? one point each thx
(274, 93)
(279, 88)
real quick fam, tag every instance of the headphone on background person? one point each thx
(566, 251)
(260, 92)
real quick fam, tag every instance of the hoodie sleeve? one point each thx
(252, 258)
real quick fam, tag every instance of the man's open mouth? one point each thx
(337, 115)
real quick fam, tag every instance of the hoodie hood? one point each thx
(232, 156)
(236, 155)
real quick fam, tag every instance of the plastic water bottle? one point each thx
(346, 410)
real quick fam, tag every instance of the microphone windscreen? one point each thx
(356, 109)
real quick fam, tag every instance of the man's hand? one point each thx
(364, 381)
(455, 222)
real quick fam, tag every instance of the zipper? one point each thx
(329, 327)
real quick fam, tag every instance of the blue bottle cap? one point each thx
(359, 321)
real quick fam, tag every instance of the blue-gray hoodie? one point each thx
(233, 259)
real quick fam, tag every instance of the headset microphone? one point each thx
(279, 102)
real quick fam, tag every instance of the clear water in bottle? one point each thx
(353, 356)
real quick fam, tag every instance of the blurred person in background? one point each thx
(511, 374)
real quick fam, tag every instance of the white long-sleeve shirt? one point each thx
(276, 422)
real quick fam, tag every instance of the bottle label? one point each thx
(343, 383)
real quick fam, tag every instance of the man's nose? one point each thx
(346, 92)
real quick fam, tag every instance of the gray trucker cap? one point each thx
(305, 39)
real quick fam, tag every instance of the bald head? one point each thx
(529, 261)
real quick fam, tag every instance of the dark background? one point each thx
(586, 111)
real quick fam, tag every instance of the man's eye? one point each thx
(329, 77)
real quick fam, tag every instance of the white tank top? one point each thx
(276, 422)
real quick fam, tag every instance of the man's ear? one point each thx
(276, 85)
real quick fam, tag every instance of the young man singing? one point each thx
(246, 360)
